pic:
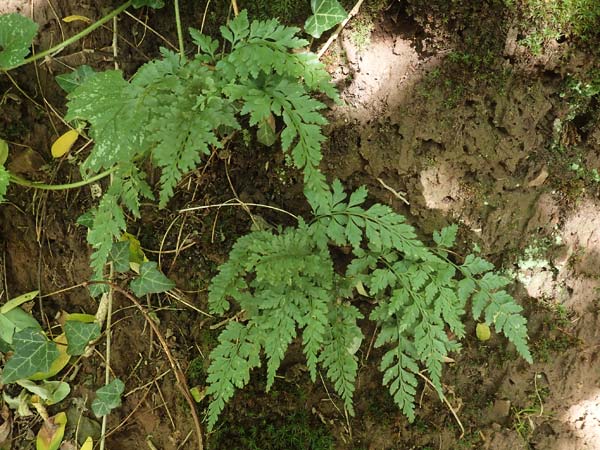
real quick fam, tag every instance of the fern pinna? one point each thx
(287, 286)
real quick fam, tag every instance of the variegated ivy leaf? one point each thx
(71, 80)
(108, 398)
(79, 335)
(150, 281)
(34, 352)
(16, 35)
(326, 15)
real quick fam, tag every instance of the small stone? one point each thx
(26, 161)
(500, 411)
(539, 180)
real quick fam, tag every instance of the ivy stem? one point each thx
(74, 38)
(59, 187)
(179, 29)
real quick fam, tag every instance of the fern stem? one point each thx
(72, 39)
(59, 187)
(179, 29)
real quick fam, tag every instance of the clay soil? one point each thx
(445, 106)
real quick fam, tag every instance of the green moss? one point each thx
(290, 12)
(360, 32)
(297, 431)
(545, 20)
(196, 371)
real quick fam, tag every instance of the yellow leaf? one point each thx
(76, 18)
(52, 432)
(79, 317)
(360, 288)
(136, 254)
(3, 151)
(64, 143)
(483, 332)
(198, 393)
(59, 363)
(88, 444)
(18, 301)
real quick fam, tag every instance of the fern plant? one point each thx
(176, 110)
(287, 286)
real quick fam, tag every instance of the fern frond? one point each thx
(505, 314)
(180, 135)
(500, 308)
(315, 325)
(237, 353)
(107, 227)
(338, 356)
(229, 281)
(129, 186)
(277, 320)
(398, 367)
(284, 283)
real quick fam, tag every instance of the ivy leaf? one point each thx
(70, 81)
(33, 353)
(150, 281)
(79, 335)
(108, 398)
(16, 35)
(15, 320)
(51, 392)
(119, 256)
(326, 15)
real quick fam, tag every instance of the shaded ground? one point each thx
(445, 105)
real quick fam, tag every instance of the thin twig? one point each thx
(340, 27)
(163, 240)
(152, 30)
(181, 381)
(204, 16)
(399, 195)
(72, 39)
(235, 194)
(173, 250)
(537, 393)
(107, 369)
(445, 400)
(234, 202)
(229, 319)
